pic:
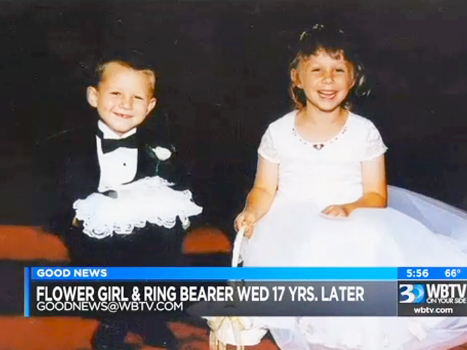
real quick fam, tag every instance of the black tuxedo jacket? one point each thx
(67, 169)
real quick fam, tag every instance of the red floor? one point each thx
(69, 333)
(73, 333)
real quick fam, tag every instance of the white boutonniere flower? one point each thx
(162, 153)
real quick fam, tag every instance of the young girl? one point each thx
(320, 199)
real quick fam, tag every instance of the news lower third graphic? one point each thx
(432, 291)
(433, 298)
(67, 291)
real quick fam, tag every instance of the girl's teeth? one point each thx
(327, 94)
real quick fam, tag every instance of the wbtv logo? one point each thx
(412, 293)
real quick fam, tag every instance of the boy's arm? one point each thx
(41, 196)
(48, 206)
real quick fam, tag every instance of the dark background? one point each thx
(223, 78)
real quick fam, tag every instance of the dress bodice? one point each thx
(326, 173)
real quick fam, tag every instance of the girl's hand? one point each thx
(336, 211)
(246, 219)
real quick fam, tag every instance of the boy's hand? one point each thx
(75, 222)
(246, 219)
(336, 211)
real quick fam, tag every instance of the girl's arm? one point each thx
(260, 198)
(374, 189)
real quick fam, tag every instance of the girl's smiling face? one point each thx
(326, 80)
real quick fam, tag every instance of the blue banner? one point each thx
(213, 274)
(432, 273)
(267, 291)
(26, 292)
(280, 298)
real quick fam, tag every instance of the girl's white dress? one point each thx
(413, 231)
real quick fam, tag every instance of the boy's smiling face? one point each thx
(123, 98)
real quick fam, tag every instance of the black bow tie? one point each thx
(109, 145)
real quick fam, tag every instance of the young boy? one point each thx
(80, 162)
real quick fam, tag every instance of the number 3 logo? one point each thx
(411, 293)
(406, 295)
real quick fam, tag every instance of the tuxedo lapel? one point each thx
(82, 171)
(146, 165)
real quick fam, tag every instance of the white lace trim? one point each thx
(374, 144)
(240, 331)
(319, 145)
(150, 200)
(267, 149)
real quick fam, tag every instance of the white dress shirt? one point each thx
(119, 166)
